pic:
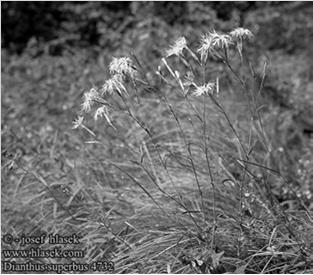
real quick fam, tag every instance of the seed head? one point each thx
(177, 48)
(123, 66)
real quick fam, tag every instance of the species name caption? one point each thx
(59, 250)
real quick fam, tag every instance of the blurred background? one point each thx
(52, 52)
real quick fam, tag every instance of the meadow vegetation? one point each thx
(176, 142)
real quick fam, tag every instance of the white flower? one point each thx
(213, 41)
(101, 112)
(204, 89)
(123, 66)
(108, 86)
(78, 122)
(238, 35)
(220, 40)
(205, 47)
(177, 48)
(112, 84)
(241, 33)
(89, 97)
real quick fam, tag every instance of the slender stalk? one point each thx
(211, 176)
(130, 113)
(189, 152)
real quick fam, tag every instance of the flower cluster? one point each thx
(211, 42)
(120, 68)
(214, 41)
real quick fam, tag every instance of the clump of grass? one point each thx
(206, 180)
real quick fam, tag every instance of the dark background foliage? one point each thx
(85, 22)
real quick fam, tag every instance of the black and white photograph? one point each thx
(153, 137)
